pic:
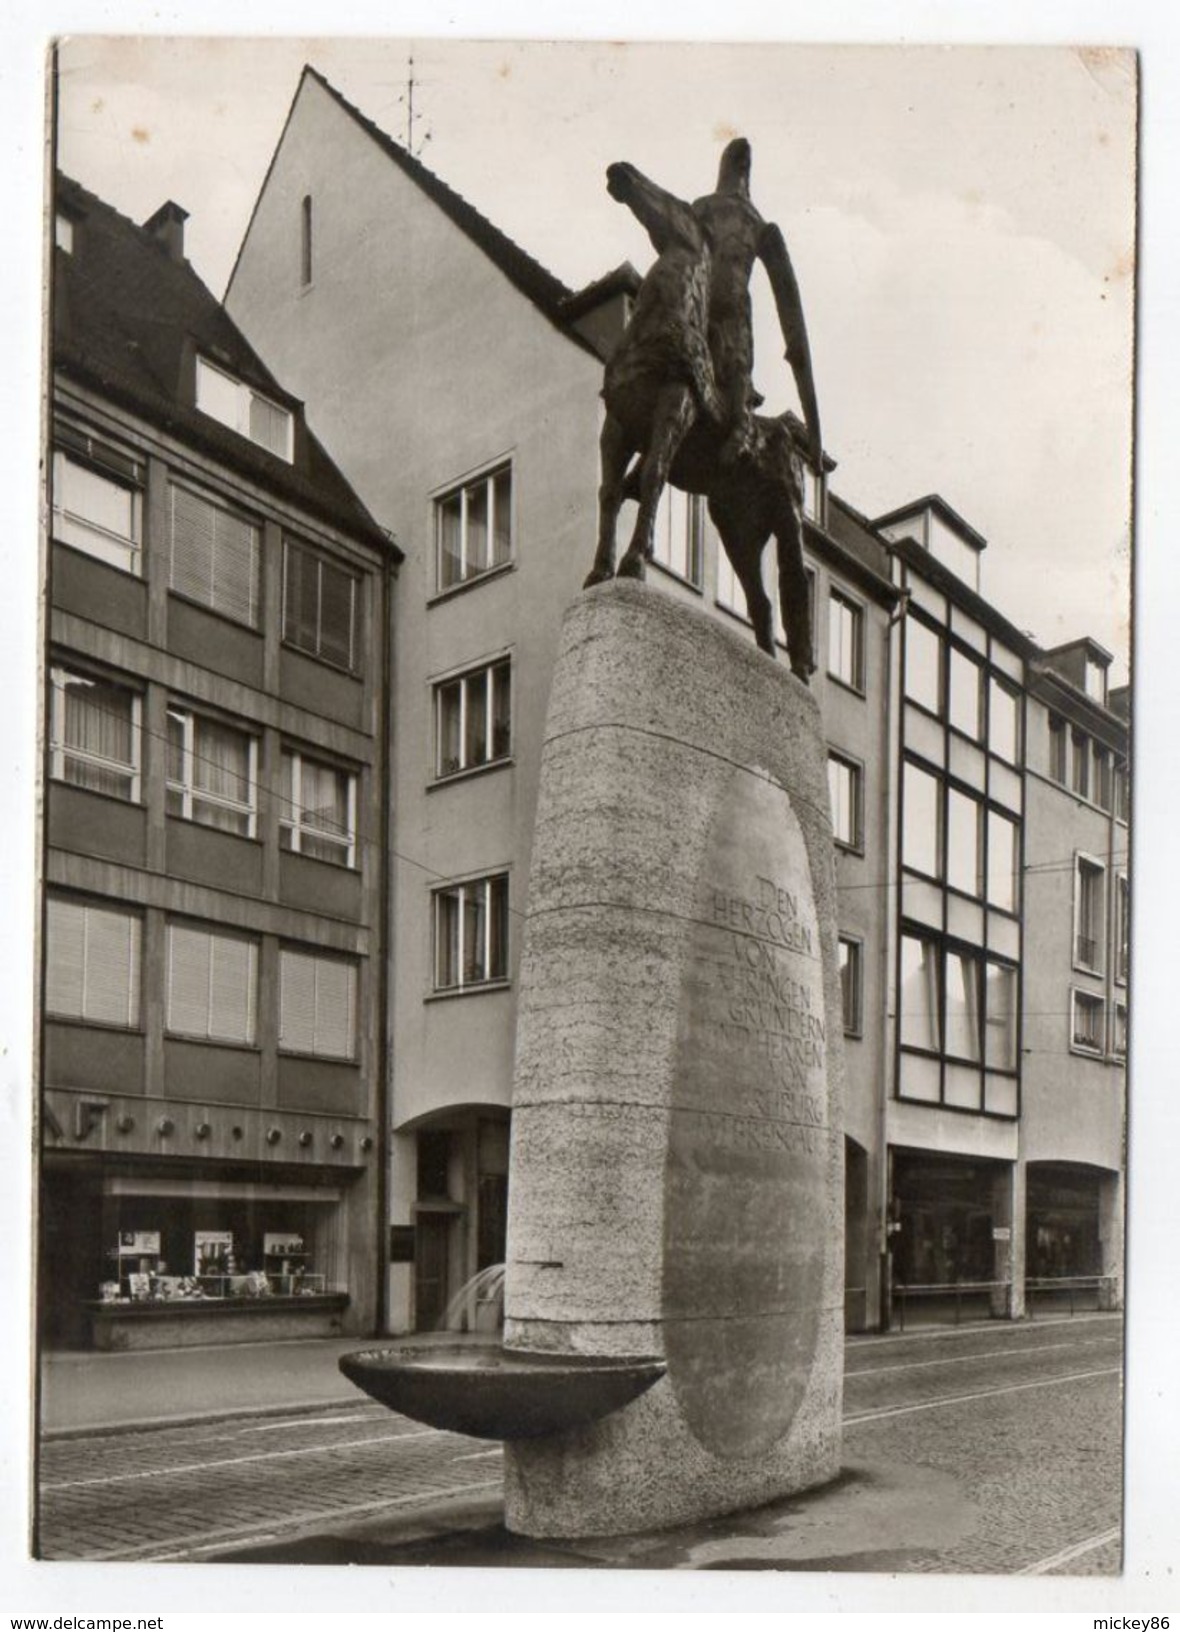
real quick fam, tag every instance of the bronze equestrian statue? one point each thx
(678, 393)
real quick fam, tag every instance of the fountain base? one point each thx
(490, 1392)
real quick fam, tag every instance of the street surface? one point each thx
(988, 1448)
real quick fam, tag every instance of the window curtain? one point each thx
(97, 733)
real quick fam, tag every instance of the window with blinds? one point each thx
(214, 557)
(239, 406)
(320, 606)
(95, 513)
(92, 959)
(94, 734)
(212, 985)
(317, 1005)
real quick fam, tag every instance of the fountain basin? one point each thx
(491, 1392)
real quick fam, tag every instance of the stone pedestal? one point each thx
(677, 1153)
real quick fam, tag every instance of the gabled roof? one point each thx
(538, 285)
(128, 318)
(946, 512)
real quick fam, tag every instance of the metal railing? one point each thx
(1069, 1284)
(946, 1289)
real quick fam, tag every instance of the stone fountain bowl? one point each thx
(495, 1393)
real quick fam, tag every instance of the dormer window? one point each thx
(63, 232)
(233, 403)
(1095, 681)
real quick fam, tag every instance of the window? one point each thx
(923, 665)
(1000, 1008)
(238, 406)
(1122, 930)
(317, 810)
(94, 512)
(1004, 721)
(94, 734)
(1002, 858)
(214, 556)
(92, 960)
(471, 933)
(317, 1005)
(962, 1006)
(320, 606)
(1087, 1022)
(474, 528)
(1103, 783)
(732, 596)
(1118, 1040)
(920, 1004)
(852, 984)
(63, 232)
(1122, 792)
(1057, 750)
(1079, 779)
(921, 842)
(211, 985)
(305, 241)
(677, 537)
(966, 682)
(212, 773)
(1095, 685)
(813, 496)
(964, 828)
(845, 793)
(1089, 917)
(846, 640)
(473, 719)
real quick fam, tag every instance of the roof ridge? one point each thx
(543, 287)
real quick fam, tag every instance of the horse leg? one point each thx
(614, 449)
(744, 535)
(676, 410)
(793, 587)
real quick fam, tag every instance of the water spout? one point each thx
(478, 1305)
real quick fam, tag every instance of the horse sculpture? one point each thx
(663, 403)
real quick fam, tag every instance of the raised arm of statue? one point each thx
(772, 251)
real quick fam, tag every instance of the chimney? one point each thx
(167, 228)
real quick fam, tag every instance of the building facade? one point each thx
(457, 382)
(216, 804)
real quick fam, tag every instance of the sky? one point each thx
(961, 220)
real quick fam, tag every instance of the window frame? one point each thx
(853, 1021)
(936, 1017)
(131, 544)
(1096, 867)
(133, 920)
(245, 394)
(993, 817)
(956, 657)
(938, 635)
(355, 579)
(1119, 1015)
(225, 507)
(694, 531)
(60, 752)
(462, 679)
(1001, 683)
(856, 770)
(187, 788)
(212, 934)
(485, 476)
(912, 766)
(1122, 928)
(1059, 750)
(459, 889)
(1079, 999)
(353, 987)
(839, 599)
(296, 825)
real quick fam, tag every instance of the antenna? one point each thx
(412, 118)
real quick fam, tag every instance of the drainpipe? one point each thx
(384, 921)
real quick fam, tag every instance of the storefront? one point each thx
(148, 1257)
(951, 1235)
(1072, 1234)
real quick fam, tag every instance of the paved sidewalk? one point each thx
(85, 1392)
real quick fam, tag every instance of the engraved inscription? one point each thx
(749, 1143)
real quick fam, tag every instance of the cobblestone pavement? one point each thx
(980, 1449)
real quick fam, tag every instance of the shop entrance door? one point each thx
(431, 1241)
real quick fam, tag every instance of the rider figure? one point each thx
(739, 236)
